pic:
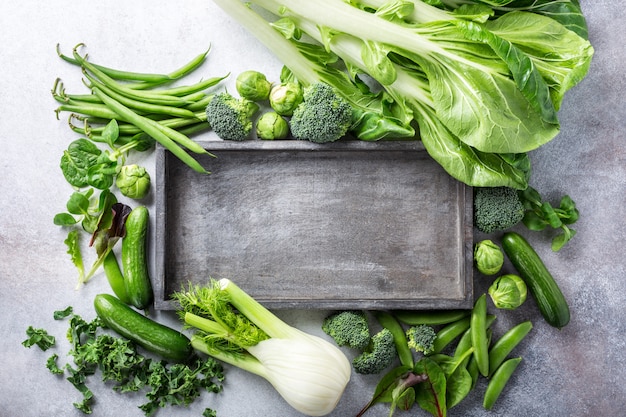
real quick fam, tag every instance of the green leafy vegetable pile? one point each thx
(482, 81)
(118, 361)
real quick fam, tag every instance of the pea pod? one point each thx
(478, 325)
(498, 381)
(503, 346)
(432, 318)
(450, 332)
(134, 260)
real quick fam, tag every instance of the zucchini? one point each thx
(546, 292)
(134, 261)
(147, 333)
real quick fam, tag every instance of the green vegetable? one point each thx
(147, 333)
(421, 338)
(541, 214)
(431, 394)
(432, 71)
(253, 85)
(309, 372)
(498, 382)
(39, 337)
(389, 322)
(115, 277)
(450, 332)
(479, 334)
(134, 258)
(348, 328)
(323, 116)
(546, 292)
(138, 103)
(497, 208)
(272, 125)
(434, 317)
(125, 370)
(80, 155)
(488, 257)
(231, 117)
(133, 181)
(505, 345)
(285, 97)
(378, 356)
(508, 292)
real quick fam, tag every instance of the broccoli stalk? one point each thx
(378, 355)
(348, 328)
(231, 117)
(421, 338)
(323, 116)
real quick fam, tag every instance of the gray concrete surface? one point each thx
(575, 372)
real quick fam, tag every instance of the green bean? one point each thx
(503, 346)
(414, 318)
(95, 110)
(139, 105)
(148, 126)
(388, 321)
(118, 74)
(200, 105)
(498, 381)
(478, 325)
(187, 91)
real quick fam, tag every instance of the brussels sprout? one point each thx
(272, 125)
(133, 181)
(285, 97)
(253, 86)
(489, 257)
(508, 292)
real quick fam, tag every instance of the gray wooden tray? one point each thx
(298, 225)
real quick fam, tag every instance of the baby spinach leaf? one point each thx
(80, 155)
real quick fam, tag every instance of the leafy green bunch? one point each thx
(483, 81)
(120, 363)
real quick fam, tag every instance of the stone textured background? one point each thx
(574, 372)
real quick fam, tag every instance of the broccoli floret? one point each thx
(231, 117)
(348, 328)
(421, 338)
(323, 116)
(497, 208)
(378, 355)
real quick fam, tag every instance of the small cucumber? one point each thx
(134, 260)
(547, 294)
(147, 333)
(114, 275)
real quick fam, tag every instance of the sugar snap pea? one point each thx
(115, 277)
(498, 381)
(478, 325)
(432, 318)
(507, 342)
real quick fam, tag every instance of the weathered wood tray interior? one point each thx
(299, 225)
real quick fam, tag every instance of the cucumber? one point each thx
(546, 292)
(134, 260)
(147, 333)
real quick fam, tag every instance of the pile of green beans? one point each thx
(459, 331)
(141, 103)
